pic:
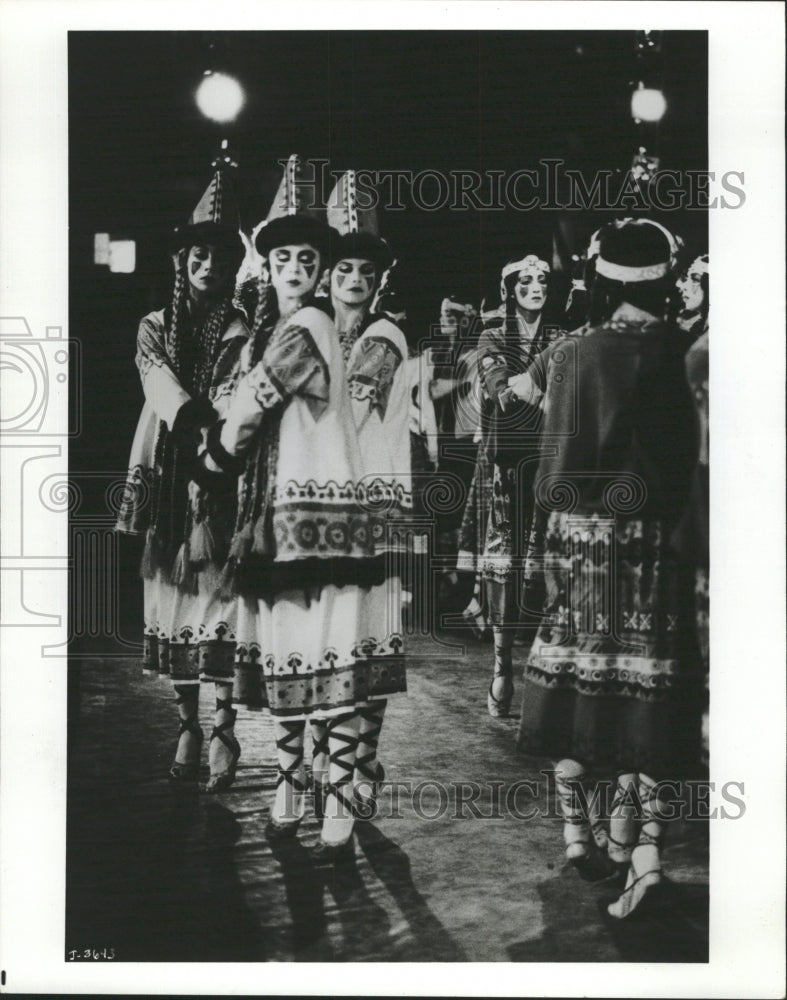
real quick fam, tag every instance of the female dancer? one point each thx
(302, 550)
(611, 681)
(183, 353)
(375, 352)
(510, 440)
(694, 289)
(475, 519)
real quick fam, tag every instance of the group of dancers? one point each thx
(269, 471)
(271, 477)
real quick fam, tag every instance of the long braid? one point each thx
(175, 334)
(158, 549)
(192, 350)
(252, 531)
(198, 541)
(266, 314)
(209, 337)
(253, 485)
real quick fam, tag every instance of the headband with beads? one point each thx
(516, 266)
(649, 272)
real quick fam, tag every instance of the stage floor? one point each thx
(167, 876)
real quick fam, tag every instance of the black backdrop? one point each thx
(140, 156)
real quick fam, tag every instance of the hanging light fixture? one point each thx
(648, 104)
(220, 97)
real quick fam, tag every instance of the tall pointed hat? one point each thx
(215, 218)
(288, 222)
(354, 229)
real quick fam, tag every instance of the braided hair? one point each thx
(192, 350)
(511, 321)
(253, 532)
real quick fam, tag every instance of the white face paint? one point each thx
(352, 281)
(531, 289)
(449, 323)
(207, 268)
(691, 291)
(294, 269)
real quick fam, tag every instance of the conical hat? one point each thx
(288, 197)
(216, 217)
(355, 231)
(344, 215)
(217, 205)
(288, 222)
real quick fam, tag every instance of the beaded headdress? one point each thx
(530, 262)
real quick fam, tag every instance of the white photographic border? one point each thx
(747, 874)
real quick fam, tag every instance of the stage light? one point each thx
(220, 97)
(101, 248)
(122, 256)
(648, 105)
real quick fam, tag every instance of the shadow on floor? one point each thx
(432, 943)
(154, 877)
(676, 932)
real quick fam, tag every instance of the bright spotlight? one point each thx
(220, 97)
(122, 256)
(648, 105)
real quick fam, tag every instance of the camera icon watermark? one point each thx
(40, 405)
(41, 381)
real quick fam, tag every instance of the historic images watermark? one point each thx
(547, 186)
(535, 798)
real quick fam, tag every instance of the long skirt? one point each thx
(499, 562)
(508, 541)
(476, 516)
(306, 654)
(614, 677)
(189, 637)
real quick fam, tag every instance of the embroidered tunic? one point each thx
(187, 636)
(378, 384)
(309, 552)
(510, 440)
(611, 679)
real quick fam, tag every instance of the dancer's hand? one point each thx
(191, 418)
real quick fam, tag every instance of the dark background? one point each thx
(139, 159)
(140, 154)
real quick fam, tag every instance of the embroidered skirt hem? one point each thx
(189, 637)
(310, 652)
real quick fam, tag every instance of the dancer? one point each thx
(510, 441)
(611, 680)
(375, 352)
(302, 550)
(694, 289)
(476, 513)
(183, 353)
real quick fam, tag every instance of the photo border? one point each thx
(747, 865)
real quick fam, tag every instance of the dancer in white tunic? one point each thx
(183, 353)
(375, 351)
(302, 551)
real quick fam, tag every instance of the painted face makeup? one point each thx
(691, 291)
(294, 270)
(353, 280)
(531, 289)
(207, 268)
(449, 323)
